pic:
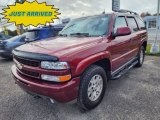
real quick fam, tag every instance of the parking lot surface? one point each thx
(135, 96)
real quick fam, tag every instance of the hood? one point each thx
(60, 46)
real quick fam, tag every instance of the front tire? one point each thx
(141, 56)
(6, 57)
(92, 87)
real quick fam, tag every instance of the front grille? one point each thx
(29, 73)
(27, 62)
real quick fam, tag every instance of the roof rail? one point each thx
(126, 11)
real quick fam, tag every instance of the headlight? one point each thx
(54, 65)
(55, 78)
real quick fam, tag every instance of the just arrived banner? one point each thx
(31, 13)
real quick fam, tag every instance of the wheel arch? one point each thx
(144, 44)
(100, 59)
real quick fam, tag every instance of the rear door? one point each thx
(135, 36)
(120, 45)
(142, 33)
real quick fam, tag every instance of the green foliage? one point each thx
(148, 51)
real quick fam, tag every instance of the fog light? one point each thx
(55, 78)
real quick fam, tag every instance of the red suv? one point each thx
(78, 63)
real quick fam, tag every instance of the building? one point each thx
(151, 23)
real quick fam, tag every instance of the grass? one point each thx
(148, 50)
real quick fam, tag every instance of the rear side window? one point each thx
(31, 35)
(120, 22)
(140, 23)
(132, 24)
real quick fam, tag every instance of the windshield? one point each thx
(3, 37)
(15, 38)
(31, 35)
(90, 26)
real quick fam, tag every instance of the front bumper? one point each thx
(5, 53)
(61, 92)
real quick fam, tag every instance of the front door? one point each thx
(120, 45)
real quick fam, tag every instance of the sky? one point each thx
(78, 8)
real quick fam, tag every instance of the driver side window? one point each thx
(119, 22)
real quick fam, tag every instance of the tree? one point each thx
(143, 14)
(155, 14)
(12, 33)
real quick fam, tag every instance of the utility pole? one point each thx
(1, 24)
(20, 29)
(155, 45)
(157, 25)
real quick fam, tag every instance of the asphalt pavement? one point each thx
(135, 96)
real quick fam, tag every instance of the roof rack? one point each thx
(126, 11)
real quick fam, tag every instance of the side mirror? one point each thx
(122, 31)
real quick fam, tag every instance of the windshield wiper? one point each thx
(80, 34)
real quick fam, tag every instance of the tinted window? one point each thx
(120, 22)
(44, 33)
(140, 23)
(51, 33)
(132, 24)
(31, 35)
(48, 32)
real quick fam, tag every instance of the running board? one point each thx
(123, 70)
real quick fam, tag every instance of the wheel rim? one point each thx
(141, 57)
(95, 87)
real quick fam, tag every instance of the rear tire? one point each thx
(92, 87)
(141, 56)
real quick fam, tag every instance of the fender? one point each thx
(144, 38)
(85, 63)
